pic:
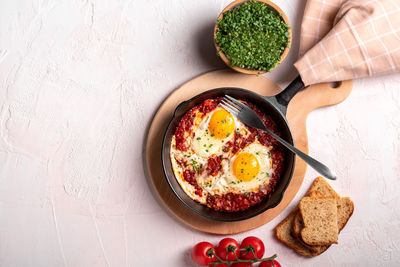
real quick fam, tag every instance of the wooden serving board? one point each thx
(300, 106)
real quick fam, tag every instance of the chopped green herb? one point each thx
(269, 154)
(267, 174)
(198, 138)
(246, 194)
(252, 36)
(195, 166)
(212, 135)
(210, 145)
(228, 134)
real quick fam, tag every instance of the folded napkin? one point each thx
(347, 39)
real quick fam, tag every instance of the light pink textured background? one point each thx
(79, 84)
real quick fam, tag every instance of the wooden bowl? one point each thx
(248, 71)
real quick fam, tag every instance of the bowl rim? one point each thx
(166, 176)
(249, 71)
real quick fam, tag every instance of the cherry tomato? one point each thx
(241, 264)
(199, 253)
(258, 247)
(223, 246)
(269, 264)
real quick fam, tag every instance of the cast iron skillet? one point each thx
(275, 107)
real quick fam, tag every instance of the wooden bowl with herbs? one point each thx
(252, 36)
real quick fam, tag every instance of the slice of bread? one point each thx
(322, 186)
(312, 192)
(319, 215)
(297, 225)
(296, 229)
(283, 233)
(345, 207)
(315, 194)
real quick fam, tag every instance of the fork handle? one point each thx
(290, 91)
(315, 164)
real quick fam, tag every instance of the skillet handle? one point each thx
(290, 91)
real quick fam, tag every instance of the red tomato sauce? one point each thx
(234, 202)
(214, 165)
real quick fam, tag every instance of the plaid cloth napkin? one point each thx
(347, 39)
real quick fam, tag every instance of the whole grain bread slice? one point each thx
(319, 215)
(283, 233)
(312, 192)
(297, 225)
(345, 207)
(296, 230)
(322, 186)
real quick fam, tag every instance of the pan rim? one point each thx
(166, 175)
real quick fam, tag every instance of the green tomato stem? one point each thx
(211, 253)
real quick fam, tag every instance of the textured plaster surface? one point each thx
(79, 84)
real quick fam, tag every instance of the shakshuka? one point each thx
(222, 163)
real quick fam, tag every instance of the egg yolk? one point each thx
(221, 124)
(246, 167)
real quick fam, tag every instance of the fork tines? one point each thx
(230, 104)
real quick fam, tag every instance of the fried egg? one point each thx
(250, 168)
(214, 131)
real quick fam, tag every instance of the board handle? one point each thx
(326, 94)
